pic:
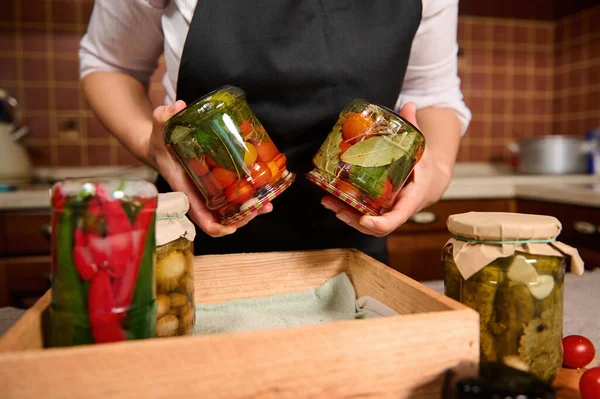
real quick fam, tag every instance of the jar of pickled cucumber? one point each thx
(176, 312)
(367, 157)
(228, 154)
(510, 268)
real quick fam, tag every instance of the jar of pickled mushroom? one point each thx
(228, 154)
(510, 268)
(103, 255)
(176, 312)
(367, 157)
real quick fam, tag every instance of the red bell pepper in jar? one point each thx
(102, 242)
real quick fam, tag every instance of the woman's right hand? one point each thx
(164, 161)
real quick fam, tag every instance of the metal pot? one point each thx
(552, 155)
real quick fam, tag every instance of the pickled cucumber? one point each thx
(514, 309)
(479, 293)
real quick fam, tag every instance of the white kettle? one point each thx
(15, 166)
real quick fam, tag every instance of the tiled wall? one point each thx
(520, 78)
(506, 71)
(577, 73)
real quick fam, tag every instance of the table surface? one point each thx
(567, 384)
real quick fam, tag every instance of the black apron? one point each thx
(300, 62)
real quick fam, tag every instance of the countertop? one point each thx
(470, 181)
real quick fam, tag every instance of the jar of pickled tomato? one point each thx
(367, 157)
(228, 154)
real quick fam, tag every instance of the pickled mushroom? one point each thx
(167, 326)
(170, 269)
(178, 300)
(163, 305)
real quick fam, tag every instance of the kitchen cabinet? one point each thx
(580, 226)
(24, 256)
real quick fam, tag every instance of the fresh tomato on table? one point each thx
(589, 384)
(578, 351)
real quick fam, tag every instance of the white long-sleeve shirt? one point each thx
(130, 35)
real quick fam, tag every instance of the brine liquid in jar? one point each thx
(520, 304)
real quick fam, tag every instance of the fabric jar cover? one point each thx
(171, 222)
(478, 238)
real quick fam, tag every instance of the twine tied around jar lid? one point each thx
(171, 222)
(479, 238)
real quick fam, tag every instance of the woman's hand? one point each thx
(164, 161)
(430, 179)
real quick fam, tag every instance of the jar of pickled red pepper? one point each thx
(176, 312)
(510, 268)
(367, 157)
(228, 154)
(103, 254)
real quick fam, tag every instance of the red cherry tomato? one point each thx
(223, 177)
(344, 147)
(211, 187)
(578, 351)
(266, 151)
(589, 384)
(349, 189)
(239, 192)
(198, 166)
(388, 187)
(281, 162)
(275, 172)
(261, 174)
(210, 162)
(356, 125)
(246, 128)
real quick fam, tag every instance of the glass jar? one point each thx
(519, 299)
(103, 255)
(510, 268)
(228, 154)
(176, 310)
(367, 157)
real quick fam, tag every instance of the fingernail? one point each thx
(325, 204)
(367, 223)
(343, 217)
(170, 107)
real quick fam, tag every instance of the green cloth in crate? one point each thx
(334, 300)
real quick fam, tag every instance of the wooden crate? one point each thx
(406, 356)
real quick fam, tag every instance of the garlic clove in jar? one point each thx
(521, 271)
(170, 269)
(541, 288)
(515, 362)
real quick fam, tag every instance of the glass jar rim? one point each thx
(388, 112)
(117, 189)
(235, 92)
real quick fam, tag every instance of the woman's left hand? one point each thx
(429, 181)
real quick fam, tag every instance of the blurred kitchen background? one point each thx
(528, 69)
